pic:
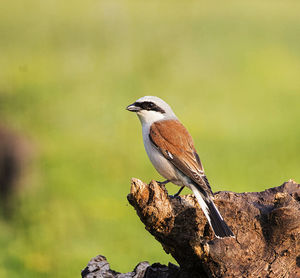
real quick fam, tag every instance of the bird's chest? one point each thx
(161, 164)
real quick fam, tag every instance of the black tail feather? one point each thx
(217, 222)
(211, 212)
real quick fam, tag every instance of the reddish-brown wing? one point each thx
(176, 144)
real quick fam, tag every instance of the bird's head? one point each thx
(151, 109)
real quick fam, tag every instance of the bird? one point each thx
(171, 150)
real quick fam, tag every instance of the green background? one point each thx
(68, 69)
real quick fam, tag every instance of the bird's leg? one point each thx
(163, 182)
(177, 194)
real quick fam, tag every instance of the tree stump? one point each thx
(266, 227)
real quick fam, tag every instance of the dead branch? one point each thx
(266, 225)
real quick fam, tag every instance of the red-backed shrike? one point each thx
(171, 150)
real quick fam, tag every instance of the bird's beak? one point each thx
(133, 108)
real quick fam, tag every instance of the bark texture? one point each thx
(266, 227)
(98, 267)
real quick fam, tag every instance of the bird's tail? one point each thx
(212, 214)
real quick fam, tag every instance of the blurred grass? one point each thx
(67, 71)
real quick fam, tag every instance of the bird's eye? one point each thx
(148, 105)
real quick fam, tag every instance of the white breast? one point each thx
(161, 164)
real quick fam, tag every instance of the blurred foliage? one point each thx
(68, 69)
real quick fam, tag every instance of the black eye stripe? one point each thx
(150, 106)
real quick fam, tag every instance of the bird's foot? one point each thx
(177, 194)
(163, 182)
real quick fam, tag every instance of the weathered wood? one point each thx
(98, 267)
(266, 225)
